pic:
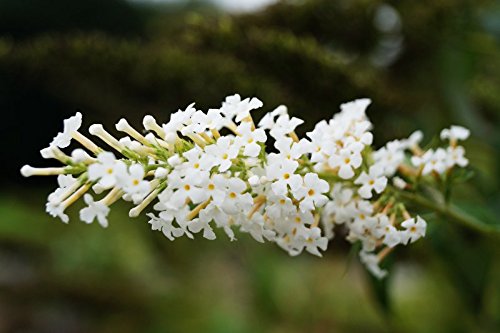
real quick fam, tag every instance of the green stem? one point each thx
(453, 213)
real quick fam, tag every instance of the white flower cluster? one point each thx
(197, 179)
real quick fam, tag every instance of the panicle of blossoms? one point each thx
(203, 171)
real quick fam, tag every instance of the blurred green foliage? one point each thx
(438, 64)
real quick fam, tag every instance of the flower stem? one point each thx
(453, 213)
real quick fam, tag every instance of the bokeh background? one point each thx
(425, 64)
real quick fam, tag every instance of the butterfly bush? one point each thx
(202, 171)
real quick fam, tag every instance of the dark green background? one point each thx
(110, 59)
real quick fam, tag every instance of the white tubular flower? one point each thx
(371, 262)
(56, 210)
(359, 136)
(255, 227)
(356, 109)
(390, 157)
(311, 193)
(431, 161)
(413, 140)
(221, 154)
(150, 124)
(414, 229)
(245, 106)
(399, 183)
(279, 207)
(346, 161)
(456, 156)
(284, 126)
(391, 236)
(268, 121)
(235, 200)
(185, 188)
(165, 225)
(212, 120)
(161, 173)
(107, 170)
(196, 162)
(71, 125)
(197, 123)
(81, 156)
(374, 180)
(178, 120)
(455, 133)
(133, 182)
(198, 178)
(289, 149)
(221, 219)
(342, 207)
(315, 241)
(214, 188)
(198, 225)
(249, 139)
(283, 175)
(130, 144)
(319, 142)
(95, 210)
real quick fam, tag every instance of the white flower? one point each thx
(359, 136)
(222, 153)
(65, 180)
(341, 208)
(197, 225)
(390, 156)
(279, 207)
(346, 161)
(413, 140)
(197, 162)
(456, 156)
(55, 209)
(107, 170)
(201, 121)
(164, 224)
(133, 182)
(255, 227)
(131, 144)
(414, 229)
(235, 200)
(315, 241)
(289, 149)
(247, 105)
(186, 188)
(371, 262)
(374, 180)
(221, 219)
(455, 133)
(356, 109)
(431, 161)
(161, 173)
(249, 139)
(385, 229)
(235, 106)
(284, 126)
(283, 176)
(399, 183)
(71, 125)
(79, 155)
(95, 210)
(311, 193)
(178, 120)
(267, 122)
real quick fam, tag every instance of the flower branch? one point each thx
(294, 194)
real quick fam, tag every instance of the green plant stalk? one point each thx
(452, 213)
